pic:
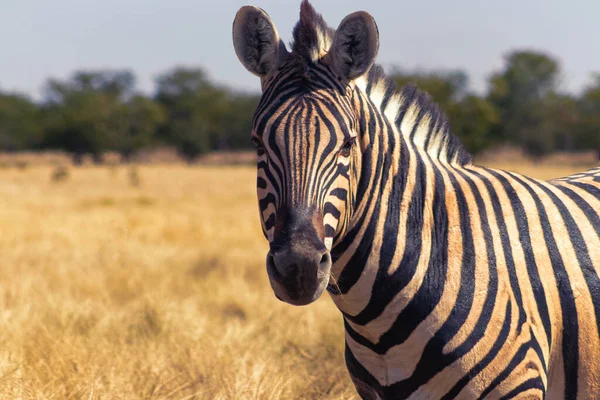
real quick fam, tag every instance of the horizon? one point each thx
(150, 38)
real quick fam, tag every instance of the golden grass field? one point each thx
(156, 291)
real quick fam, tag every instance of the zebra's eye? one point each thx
(260, 148)
(347, 147)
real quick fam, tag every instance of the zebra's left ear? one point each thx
(355, 45)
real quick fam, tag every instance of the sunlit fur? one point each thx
(455, 281)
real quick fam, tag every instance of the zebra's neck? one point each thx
(397, 239)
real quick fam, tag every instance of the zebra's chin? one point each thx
(301, 284)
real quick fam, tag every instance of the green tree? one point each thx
(95, 111)
(196, 111)
(134, 125)
(523, 93)
(80, 123)
(20, 123)
(589, 133)
(113, 83)
(238, 121)
(472, 119)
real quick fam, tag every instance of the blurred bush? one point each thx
(94, 112)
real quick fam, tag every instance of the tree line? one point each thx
(97, 111)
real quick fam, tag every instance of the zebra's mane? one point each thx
(312, 36)
(417, 117)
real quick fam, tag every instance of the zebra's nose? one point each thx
(299, 262)
(295, 265)
(299, 277)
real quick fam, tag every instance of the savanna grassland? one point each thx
(151, 285)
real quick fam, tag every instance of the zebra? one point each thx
(453, 280)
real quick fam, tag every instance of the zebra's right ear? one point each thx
(256, 42)
(355, 45)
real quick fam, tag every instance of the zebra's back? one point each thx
(555, 243)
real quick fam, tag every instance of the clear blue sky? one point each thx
(52, 38)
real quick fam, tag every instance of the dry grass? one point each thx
(110, 290)
(116, 291)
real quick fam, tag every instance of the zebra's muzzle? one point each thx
(298, 279)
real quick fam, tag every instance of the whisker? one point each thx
(335, 284)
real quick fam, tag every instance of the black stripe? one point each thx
(592, 215)
(261, 183)
(389, 92)
(570, 342)
(506, 244)
(329, 231)
(356, 370)
(420, 115)
(269, 223)
(273, 145)
(330, 209)
(531, 383)
(433, 360)
(586, 265)
(524, 237)
(485, 361)
(514, 362)
(354, 268)
(410, 258)
(430, 292)
(265, 201)
(340, 193)
(595, 191)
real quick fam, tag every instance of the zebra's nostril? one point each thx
(324, 259)
(325, 262)
(280, 266)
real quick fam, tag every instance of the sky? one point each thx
(52, 38)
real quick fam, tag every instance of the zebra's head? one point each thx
(304, 129)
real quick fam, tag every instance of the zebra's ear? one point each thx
(256, 42)
(355, 45)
